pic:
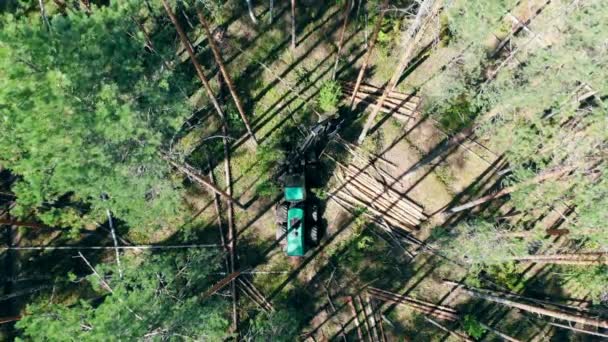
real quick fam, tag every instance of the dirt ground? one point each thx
(432, 170)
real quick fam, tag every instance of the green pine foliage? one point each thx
(157, 298)
(84, 110)
(329, 97)
(473, 327)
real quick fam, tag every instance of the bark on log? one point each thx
(596, 322)
(356, 318)
(579, 330)
(293, 24)
(6, 222)
(190, 172)
(538, 179)
(405, 107)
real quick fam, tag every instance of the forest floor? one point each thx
(432, 170)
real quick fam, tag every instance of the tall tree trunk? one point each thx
(368, 55)
(226, 75)
(231, 231)
(199, 70)
(293, 24)
(251, 14)
(341, 39)
(596, 322)
(538, 179)
(428, 9)
(271, 7)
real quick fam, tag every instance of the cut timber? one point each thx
(405, 107)
(9, 319)
(5, 222)
(367, 326)
(369, 89)
(190, 172)
(220, 284)
(355, 317)
(358, 173)
(368, 54)
(449, 331)
(255, 295)
(439, 311)
(428, 9)
(538, 179)
(369, 312)
(293, 24)
(578, 330)
(220, 62)
(596, 322)
(388, 107)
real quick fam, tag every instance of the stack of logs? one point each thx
(371, 327)
(359, 189)
(437, 311)
(402, 106)
(254, 294)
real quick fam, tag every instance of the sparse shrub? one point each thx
(592, 279)
(329, 96)
(472, 327)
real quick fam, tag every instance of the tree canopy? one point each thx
(85, 109)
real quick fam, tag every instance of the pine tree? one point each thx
(83, 114)
(157, 298)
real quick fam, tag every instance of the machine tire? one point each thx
(314, 214)
(281, 213)
(314, 234)
(281, 232)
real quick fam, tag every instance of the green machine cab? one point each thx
(297, 213)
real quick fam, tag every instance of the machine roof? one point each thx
(295, 232)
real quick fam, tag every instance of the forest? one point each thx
(303, 170)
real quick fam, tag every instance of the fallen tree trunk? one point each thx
(596, 322)
(190, 172)
(5, 222)
(538, 179)
(356, 318)
(579, 330)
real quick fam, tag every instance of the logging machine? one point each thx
(297, 214)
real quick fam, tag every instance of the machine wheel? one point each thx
(281, 232)
(281, 212)
(314, 214)
(314, 234)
